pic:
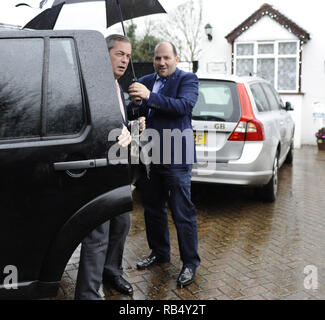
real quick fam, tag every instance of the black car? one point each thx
(58, 105)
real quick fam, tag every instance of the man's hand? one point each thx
(138, 90)
(136, 100)
(142, 123)
(125, 138)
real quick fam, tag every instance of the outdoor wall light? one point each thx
(208, 31)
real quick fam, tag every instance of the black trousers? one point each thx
(170, 186)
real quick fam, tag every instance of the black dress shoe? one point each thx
(150, 261)
(185, 277)
(119, 284)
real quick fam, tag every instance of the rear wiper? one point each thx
(211, 118)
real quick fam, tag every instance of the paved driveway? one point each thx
(249, 249)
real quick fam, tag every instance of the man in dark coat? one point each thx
(102, 250)
(168, 97)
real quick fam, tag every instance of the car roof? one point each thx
(232, 78)
(25, 33)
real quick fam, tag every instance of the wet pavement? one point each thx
(249, 250)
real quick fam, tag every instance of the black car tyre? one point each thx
(269, 192)
(289, 158)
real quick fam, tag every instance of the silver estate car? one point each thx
(243, 133)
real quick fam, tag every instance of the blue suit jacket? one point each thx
(171, 109)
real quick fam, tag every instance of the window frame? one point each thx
(276, 56)
(35, 137)
(234, 98)
(271, 94)
(84, 106)
(258, 84)
(43, 136)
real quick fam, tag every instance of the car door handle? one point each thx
(281, 123)
(80, 164)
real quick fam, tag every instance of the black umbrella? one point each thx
(46, 19)
(116, 11)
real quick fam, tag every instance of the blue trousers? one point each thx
(170, 186)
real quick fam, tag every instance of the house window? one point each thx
(275, 61)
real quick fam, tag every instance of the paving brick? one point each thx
(184, 294)
(257, 297)
(237, 285)
(231, 292)
(210, 293)
(223, 297)
(212, 284)
(253, 291)
(73, 274)
(250, 250)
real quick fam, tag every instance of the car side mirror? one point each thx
(288, 106)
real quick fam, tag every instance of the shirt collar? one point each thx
(158, 78)
(171, 75)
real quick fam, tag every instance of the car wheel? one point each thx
(270, 190)
(289, 158)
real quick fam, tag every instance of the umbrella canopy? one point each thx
(116, 11)
(46, 19)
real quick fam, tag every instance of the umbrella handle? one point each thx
(135, 80)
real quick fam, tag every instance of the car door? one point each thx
(280, 118)
(289, 124)
(57, 108)
(265, 115)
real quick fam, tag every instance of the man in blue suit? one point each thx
(168, 97)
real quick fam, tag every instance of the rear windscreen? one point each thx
(217, 101)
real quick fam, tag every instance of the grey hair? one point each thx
(110, 40)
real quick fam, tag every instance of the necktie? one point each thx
(163, 82)
(161, 87)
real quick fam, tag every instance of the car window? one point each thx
(270, 94)
(23, 105)
(217, 100)
(259, 97)
(278, 98)
(65, 113)
(20, 87)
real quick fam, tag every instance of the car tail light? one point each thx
(248, 127)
